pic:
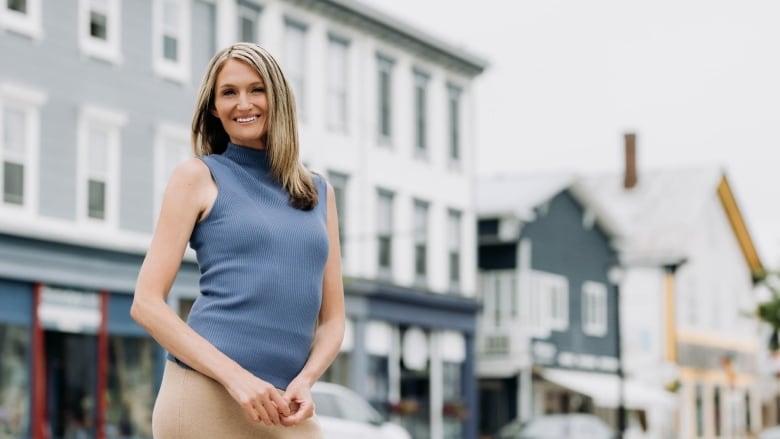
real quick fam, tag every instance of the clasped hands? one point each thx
(268, 405)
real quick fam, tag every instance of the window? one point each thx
(699, 401)
(421, 114)
(248, 22)
(594, 308)
(384, 98)
(171, 39)
(15, 380)
(385, 232)
(22, 16)
(338, 78)
(131, 386)
(295, 62)
(454, 232)
(453, 122)
(99, 28)
(339, 183)
(172, 146)
(19, 133)
(551, 301)
(420, 222)
(98, 183)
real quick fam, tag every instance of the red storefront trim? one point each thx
(39, 418)
(102, 367)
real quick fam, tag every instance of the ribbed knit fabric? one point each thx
(261, 263)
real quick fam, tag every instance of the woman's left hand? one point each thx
(298, 396)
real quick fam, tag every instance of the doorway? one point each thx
(71, 396)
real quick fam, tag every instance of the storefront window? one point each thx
(415, 402)
(130, 387)
(454, 409)
(14, 381)
(377, 387)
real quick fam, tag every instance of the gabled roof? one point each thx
(517, 195)
(657, 217)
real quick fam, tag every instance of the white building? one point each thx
(94, 113)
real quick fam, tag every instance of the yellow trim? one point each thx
(714, 376)
(740, 229)
(670, 330)
(716, 341)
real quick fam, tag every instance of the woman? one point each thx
(270, 316)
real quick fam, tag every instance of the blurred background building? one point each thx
(95, 105)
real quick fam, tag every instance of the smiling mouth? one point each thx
(246, 119)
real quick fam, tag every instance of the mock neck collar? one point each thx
(246, 156)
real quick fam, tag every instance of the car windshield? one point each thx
(345, 406)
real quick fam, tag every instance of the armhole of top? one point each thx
(208, 162)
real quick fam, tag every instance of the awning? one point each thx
(604, 388)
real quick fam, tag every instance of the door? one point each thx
(71, 397)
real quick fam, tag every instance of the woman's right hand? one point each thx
(260, 400)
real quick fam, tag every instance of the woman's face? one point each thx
(240, 104)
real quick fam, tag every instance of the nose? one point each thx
(243, 102)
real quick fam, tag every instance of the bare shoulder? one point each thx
(192, 184)
(191, 171)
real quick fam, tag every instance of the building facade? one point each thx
(689, 286)
(94, 115)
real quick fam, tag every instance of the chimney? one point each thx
(630, 176)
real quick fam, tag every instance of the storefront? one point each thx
(411, 354)
(72, 361)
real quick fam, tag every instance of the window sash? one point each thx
(337, 83)
(96, 199)
(98, 19)
(454, 122)
(171, 29)
(295, 61)
(14, 134)
(421, 112)
(248, 22)
(20, 6)
(13, 183)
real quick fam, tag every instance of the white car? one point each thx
(770, 433)
(563, 426)
(343, 414)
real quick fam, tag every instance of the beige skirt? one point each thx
(191, 405)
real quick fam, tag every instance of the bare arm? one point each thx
(188, 195)
(330, 325)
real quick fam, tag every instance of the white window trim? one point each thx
(30, 101)
(596, 325)
(114, 121)
(178, 71)
(109, 49)
(544, 283)
(29, 24)
(164, 132)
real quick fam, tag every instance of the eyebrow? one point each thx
(260, 83)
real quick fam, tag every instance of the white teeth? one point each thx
(245, 119)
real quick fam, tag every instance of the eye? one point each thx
(258, 90)
(227, 92)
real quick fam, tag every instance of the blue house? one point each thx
(548, 341)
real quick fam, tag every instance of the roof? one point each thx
(398, 32)
(517, 195)
(658, 216)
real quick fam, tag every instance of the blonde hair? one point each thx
(281, 135)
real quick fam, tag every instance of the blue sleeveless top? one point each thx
(261, 263)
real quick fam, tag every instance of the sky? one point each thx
(698, 81)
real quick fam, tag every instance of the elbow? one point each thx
(138, 310)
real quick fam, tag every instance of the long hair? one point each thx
(281, 134)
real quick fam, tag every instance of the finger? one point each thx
(273, 412)
(282, 404)
(305, 411)
(262, 413)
